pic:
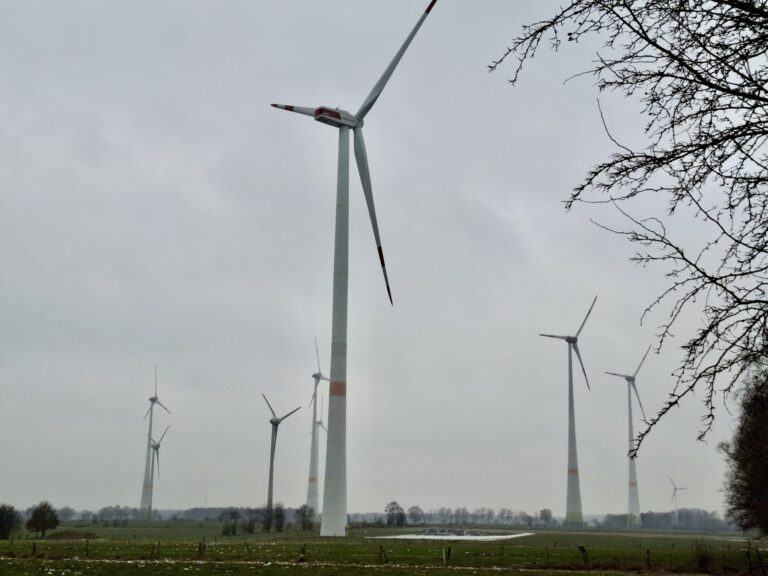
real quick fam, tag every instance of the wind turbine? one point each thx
(313, 498)
(156, 455)
(573, 514)
(633, 514)
(275, 421)
(334, 515)
(675, 490)
(146, 491)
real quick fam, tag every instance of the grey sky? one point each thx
(155, 209)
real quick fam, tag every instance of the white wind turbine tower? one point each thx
(675, 490)
(633, 511)
(275, 421)
(573, 513)
(313, 498)
(334, 514)
(146, 491)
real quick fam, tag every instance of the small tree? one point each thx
(43, 518)
(415, 515)
(306, 515)
(545, 515)
(10, 521)
(400, 518)
(66, 514)
(230, 518)
(252, 518)
(393, 511)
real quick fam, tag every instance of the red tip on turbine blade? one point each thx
(384, 270)
(431, 4)
(381, 256)
(283, 107)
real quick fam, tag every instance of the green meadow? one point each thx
(199, 548)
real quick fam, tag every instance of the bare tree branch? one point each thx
(700, 71)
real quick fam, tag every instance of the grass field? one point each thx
(198, 548)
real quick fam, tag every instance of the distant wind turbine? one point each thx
(313, 497)
(334, 515)
(275, 421)
(573, 513)
(675, 490)
(633, 514)
(146, 491)
(156, 453)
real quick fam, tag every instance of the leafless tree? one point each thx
(699, 69)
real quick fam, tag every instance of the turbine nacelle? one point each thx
(335, 117)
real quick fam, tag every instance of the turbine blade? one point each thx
(641, 361)
(553, 336)
(313, 398)
(672, 482)
(581, 362)
(322, 426)
(298, 109)
(379, 86)
(155, 380)
(163, 436)
(162, 406)
(365, 178)
(634, 387)
(270, 405)
(317, 353)
(148, 411)
(585, 317)
(289, 413)
(617, 374)
(157, 454)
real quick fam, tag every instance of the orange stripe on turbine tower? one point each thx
(338, 389)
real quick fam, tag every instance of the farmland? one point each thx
(198, 548)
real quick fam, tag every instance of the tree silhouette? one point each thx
(43, 518)
(10, 521)
(746, 483)
(306, 514)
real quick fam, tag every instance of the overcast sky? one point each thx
(155, 210)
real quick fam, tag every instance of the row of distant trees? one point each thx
(247, 520)
(687, 519)
(45, 517)
(395, 515)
